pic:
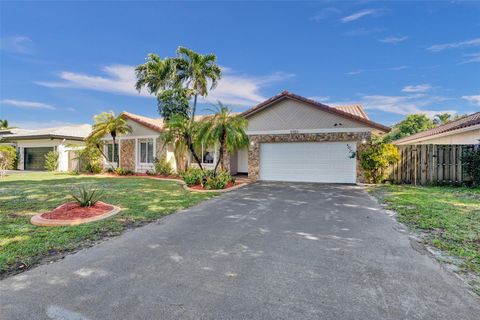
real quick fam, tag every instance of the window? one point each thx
(208, 155)
(146, 151)
(112, 152)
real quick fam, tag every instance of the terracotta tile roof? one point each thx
(465, 122)
(288, 95)
(154, 124)
(355, 109)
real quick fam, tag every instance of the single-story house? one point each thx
(465, 130)
(292, 138)
(33, 145)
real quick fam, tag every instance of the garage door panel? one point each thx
(308, 161)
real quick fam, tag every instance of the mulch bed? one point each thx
(72, 211)
(199, 187)
(141, 175)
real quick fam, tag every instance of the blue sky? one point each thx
(63, 62)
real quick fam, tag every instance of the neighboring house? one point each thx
(291, 139)
(33, 145)
(465, 130)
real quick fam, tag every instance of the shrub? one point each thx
(8, 157)
(86, 197)
(193, 176)
(150, 172)
(218, 181)
(471, 162)
(123, 172)
(375, 158)
(51, 161)
(163, 167)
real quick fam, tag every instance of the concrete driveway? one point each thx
(267, 251)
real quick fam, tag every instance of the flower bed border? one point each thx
(184, 185)
(38, 220)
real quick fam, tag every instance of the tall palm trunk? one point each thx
(189, 137)
(114, 135)
(194, 109)
(191, 147)
(221, 151)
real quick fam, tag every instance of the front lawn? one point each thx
(23, 195)
(450, 216)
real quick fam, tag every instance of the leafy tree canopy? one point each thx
(173, 102)
(412, 124)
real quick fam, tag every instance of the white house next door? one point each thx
(328, 162)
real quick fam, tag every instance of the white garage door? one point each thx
(308, 161)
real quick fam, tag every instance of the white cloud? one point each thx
(417, 88)
(353, 73)
(118, 79)
(27, 104)
(471, 57)
(393, 39)
(319, 98)
(402, 105)
(233, 88)
(357, 15)
(16, 44)
(363, 32)
(454, 45)
(325, 13)
(475, 99)
(397, 68)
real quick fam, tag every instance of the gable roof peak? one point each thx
(288, 95)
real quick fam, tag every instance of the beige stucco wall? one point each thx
(293, 115)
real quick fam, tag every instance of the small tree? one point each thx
(51, 161)
(471, 162)
(106, 123)
(412, 124)
(182, 132)
(375, 158)
(4, 124)
(225, 130)
(173, 102)
(8, 156)
(90, 157)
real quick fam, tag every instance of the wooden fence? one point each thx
(430, 164)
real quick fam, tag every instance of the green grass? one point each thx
(449, 215)
(22, 196)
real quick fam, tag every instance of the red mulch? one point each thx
(72, 211)
(199, 187)
(142, 175)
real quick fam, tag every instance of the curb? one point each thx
(37, 220)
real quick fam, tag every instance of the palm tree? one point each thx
(4, 124)
(196, 71)
(189, 71)
(442, 118)
(155, 74)
(180, 130)
(106, 123)
(225, 129)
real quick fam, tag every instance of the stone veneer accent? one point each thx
(256, 140)
(127, 154)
